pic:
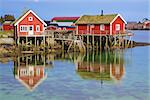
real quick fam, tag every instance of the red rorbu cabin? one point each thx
(7, 26)
(100, 24)
(29, 25)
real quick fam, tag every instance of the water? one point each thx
(141, 36)
(117, 75)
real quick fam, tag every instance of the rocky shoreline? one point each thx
(8, 48)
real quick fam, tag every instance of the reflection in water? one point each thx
(105, 66)
(31, 70)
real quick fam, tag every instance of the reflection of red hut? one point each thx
(109, 71)
(117, 71)
(31, 76)
(95, 71)
(91, 67)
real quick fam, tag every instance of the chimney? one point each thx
(102, 13)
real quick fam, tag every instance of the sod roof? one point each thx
(96, 19)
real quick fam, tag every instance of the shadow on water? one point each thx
(31, 70)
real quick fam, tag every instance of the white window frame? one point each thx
(117, 27)
(102, 27)
(30, 19)
(23, 28)
(37, 28)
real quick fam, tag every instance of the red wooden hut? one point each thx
(7, 26)
(100, 24)
(29, 24)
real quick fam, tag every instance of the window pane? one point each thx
(101, 27)
(30, 28)
(117, 27)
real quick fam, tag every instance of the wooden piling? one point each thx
(87, 41)
(106, 43)
(100, 43)
(93, 42)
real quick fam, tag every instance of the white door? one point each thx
(30, 30)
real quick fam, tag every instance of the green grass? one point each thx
(6, 32)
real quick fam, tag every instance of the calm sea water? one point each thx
(117, 75)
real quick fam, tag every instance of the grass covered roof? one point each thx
(96, 19)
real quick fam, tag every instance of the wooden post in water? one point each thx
(126, 42)
(44, 42)
(97, 47)
(115, 41)
(74, 39)
(93, 41)
(106, 44)
(87, 41)
(62, 45)
(48, 42)
(122, 42)
(35, 41)
(100, 42)
(18, 42)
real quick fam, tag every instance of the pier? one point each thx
(69, 41)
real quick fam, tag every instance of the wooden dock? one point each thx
(70, 41)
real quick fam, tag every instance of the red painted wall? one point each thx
(7, 27)
(35, 22)
(93, 29)
(118, 21)
(82, 29)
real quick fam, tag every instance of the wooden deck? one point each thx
(49, 37)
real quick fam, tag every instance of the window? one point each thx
(37, 28)
(23, 28)
(102, 28)
(117, 27)
(30, 18)
(30, 28)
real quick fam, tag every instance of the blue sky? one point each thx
(131, 10)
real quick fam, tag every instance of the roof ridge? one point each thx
(101, 15)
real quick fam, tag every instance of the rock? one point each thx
(9, 41)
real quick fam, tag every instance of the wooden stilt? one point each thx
(48, 42)
(18, 41)
(106, 44)
(62, 46)
(126, 42)
(93, 42)
(87, 45)
(100, 42)
(35, 41)
(74, 39)
(44, 42)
